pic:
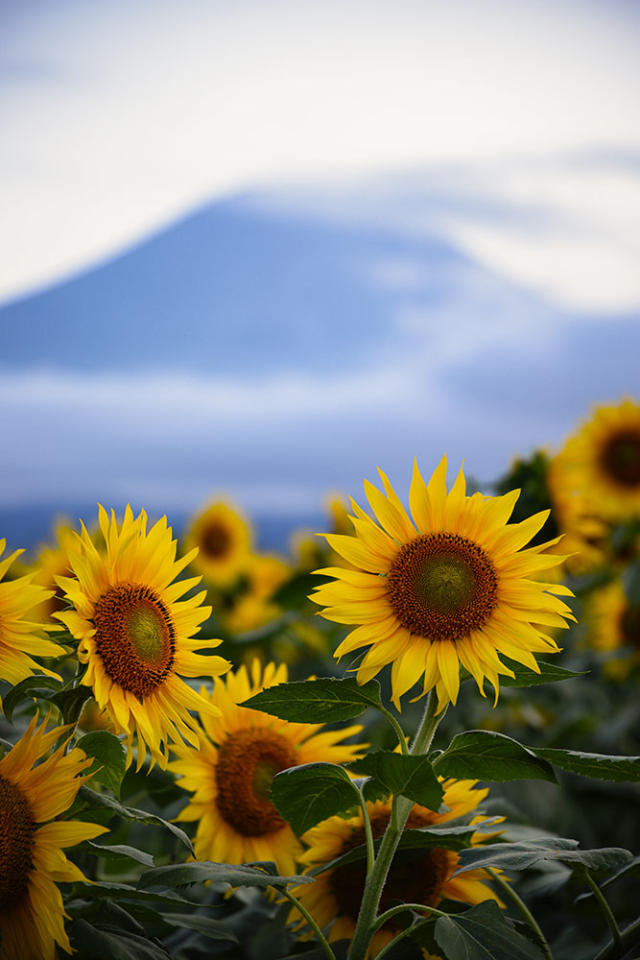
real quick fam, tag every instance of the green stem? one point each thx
(324, 943)
(398, 937)
(400, 810)
(524, 910)
(368, 835)
(402, 740)
(606, 909)
(401, 908)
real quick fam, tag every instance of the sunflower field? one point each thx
(415, 736)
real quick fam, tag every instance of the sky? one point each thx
(262, 247)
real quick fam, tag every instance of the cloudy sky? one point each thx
(389, 225)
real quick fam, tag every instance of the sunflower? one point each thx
(262, 575)
(231, 771)
(50, 562)
(32, 860)
(336, 894)
(21, 636)
(452, 587)
(136, 636)
(613, 621)
(601, 463)
(223, 538)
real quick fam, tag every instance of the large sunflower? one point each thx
(32, 860)
(136, 636)
(223, 538)
(231, 771)
(21, 638)
(601, 463)
(450, 587)
(336, 895)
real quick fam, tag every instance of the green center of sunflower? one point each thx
(621, 458)
(442, 586)
(215, 540)
(248, 760)
(135, 637)
(413, 877)
(17, 830)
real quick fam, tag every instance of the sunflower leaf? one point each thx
(198, 922)
(92, 941)
(324, 700)
(110, 757)
(597, 765)
(407, 776)
(90, 800)
(486, 755)
(183, 874)
(482, 933)
(71, 701)
(549, 673)
(118, 851)
(307, 794)
(36, 687)
(525, 853)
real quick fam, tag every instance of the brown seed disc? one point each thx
(442, 586)
(248, 760)
(215, 540)
(17, 830)
(412, 878)
(620, 458)
(135, 637)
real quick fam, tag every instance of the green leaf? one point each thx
(294, 594)
(307, 794)
(596, 765)
(124, 892)
(549, 673)
(325, 700)
(110, 757)
(92, 941)
(526, 853)
(117, 851)
(408, 776)
(237, 876)
(486, 755)
(199, 923)
(482, 933)
(71, 701)
(92, 800)
(37, 687)
(631, 583)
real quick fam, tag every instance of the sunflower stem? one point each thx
(402, 908)
(400, 810)
(608, 913)
(324, 943)
(371, 856)
(400, 936)
(524, 910)
(402, 740)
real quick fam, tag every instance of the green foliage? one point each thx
(110, 757)
(482, 933)
(204, 871)
(597, 765)
(91, 802)
(549, 673)
(486, 755)
(307, 794)
(325, 700)
(36, 687)
(407, 776)
(527, 853)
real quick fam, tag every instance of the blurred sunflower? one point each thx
(231, 771)
(601, 463)
(136, 635)
(613, 621)
(452, 587)
(22, 637)
(51, 561)
(336, 894)
(263, 574)
(223, 538)
(32, 860)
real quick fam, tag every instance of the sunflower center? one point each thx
(621, 457)
(215, 541)
(412, 878)
(630, 625)
(135, 637)
(248, 760)
(442, 586)
(17, 830)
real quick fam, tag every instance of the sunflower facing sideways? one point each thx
(614, 624)
(136, 635)
(223, 538)
(451, 587)
(22, 639)
(32, 859)
(426, 877)
(231, 771)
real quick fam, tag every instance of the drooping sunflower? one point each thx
(136, 635)
(336, 894)
(601, 462)
(450, 587)
(32, 859)
(21, 637)
(231, 771)
(223, 538)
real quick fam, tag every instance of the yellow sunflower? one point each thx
(614, 622)
(22, 637)
(136, 635)
(51, 561)
(335, 895)
(231, 771)
(585, 535)
(223, 538)
(32, 860)
(452, 586)
(263, 574)
(601, 463)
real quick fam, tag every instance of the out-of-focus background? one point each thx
(263, 247)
